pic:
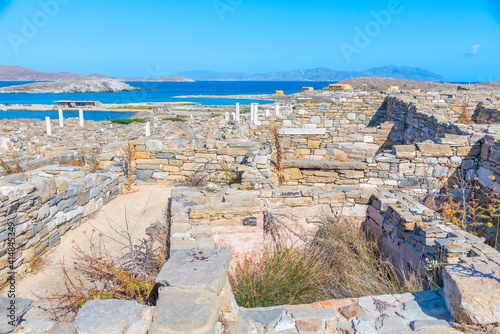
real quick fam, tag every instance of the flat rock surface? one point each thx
(7, 317)
(113, 316)
(196, 270)
(180, 311)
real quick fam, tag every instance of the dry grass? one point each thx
(339, 262)
(128, 154)
(279, 155)
(476, 211)
(99, 276)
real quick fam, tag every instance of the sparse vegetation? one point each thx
(338, 262)
(174, 119)
(128, 154)
(476, 211)
(279, 155)
(127, 120)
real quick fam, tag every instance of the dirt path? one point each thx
(145, 206)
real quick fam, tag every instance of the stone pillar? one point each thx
(61, 119)
(252, 107)
(277, 109)
(256, 114)
(80, 116)
(148, 130)
(237, 112)
(155, 124)
(226, 116)
(267, 114)
(48, 125)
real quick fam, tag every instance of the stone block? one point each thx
(472, 292)
(181, 311)
(435, 150)
(196, 270)
(113, 316)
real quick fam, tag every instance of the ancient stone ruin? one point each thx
(368, 157)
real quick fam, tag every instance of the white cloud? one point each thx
(473, 51)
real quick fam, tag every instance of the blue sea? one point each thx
(165, 92)
(88, 115)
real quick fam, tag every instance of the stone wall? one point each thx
(43, 205)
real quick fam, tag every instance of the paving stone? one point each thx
(418, 325)
(113, 316)
(35, 326)
(307, 312)
(63, 328)
(391, 325)
(266, 316)
(12, 311)
(181, 311)
(285, 323)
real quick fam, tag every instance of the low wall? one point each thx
(43, 205)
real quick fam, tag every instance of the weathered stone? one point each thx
(154, 146)
(435, 150)
(472, 292)
(325, 165)
(196, 270)
(181, 311)
(113, 316)
(12, 311)
(35, 326)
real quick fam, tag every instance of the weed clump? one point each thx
(338, 262)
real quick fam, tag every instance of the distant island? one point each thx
(75, 86)
(321, 74)
(17, 73)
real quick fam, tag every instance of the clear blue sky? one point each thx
(458, 39)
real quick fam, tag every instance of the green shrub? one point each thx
(127, 120)
(174, 119)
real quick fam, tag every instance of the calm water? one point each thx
(164, 92)
(88, 115)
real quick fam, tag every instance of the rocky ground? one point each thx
(64, 87)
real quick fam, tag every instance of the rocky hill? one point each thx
(320, 74)
(17, 73)
(79, 86)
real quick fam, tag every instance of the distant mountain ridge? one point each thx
(320, 74)
(17, 73)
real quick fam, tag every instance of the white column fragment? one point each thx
(252, 107)
(237, 112)
(155, 124)
(267, 113)
(47, 124)
(80, 116)
(148, 130)
(61, 119)
(277, 109)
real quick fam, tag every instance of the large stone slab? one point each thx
(472, 292)
(196, 270)
(12, 311)
(327, 165)
(113, 316)
(180, 311)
